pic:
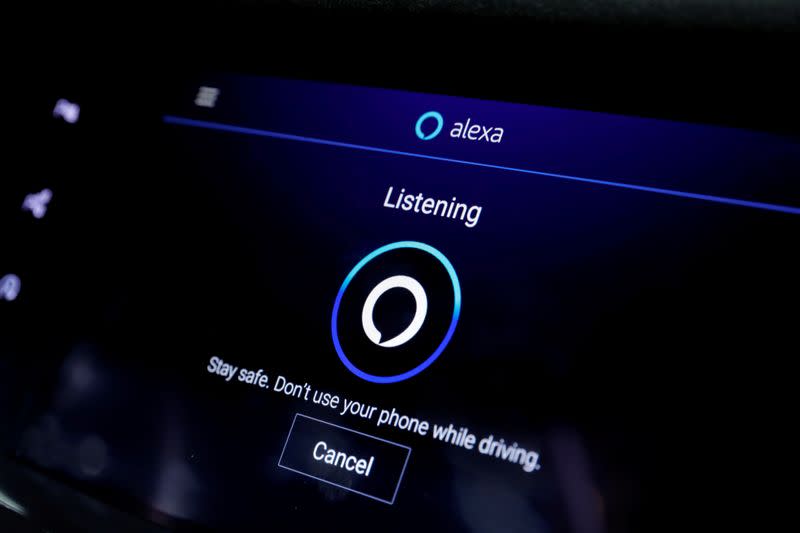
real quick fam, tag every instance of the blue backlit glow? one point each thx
(181, 121)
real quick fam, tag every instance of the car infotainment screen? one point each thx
(275, 304)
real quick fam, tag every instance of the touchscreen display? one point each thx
(282, 304)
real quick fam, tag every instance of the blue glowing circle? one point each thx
(427, 362)
(423, 118)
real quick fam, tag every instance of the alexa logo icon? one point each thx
(396, 312)
(432, 122)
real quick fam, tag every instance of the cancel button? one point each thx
(348, 459)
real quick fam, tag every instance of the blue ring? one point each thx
(427, 362)
(423, 118)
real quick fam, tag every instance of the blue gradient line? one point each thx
(169, 119)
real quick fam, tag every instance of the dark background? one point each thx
(696, 432)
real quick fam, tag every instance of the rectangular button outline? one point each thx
(399, 480)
